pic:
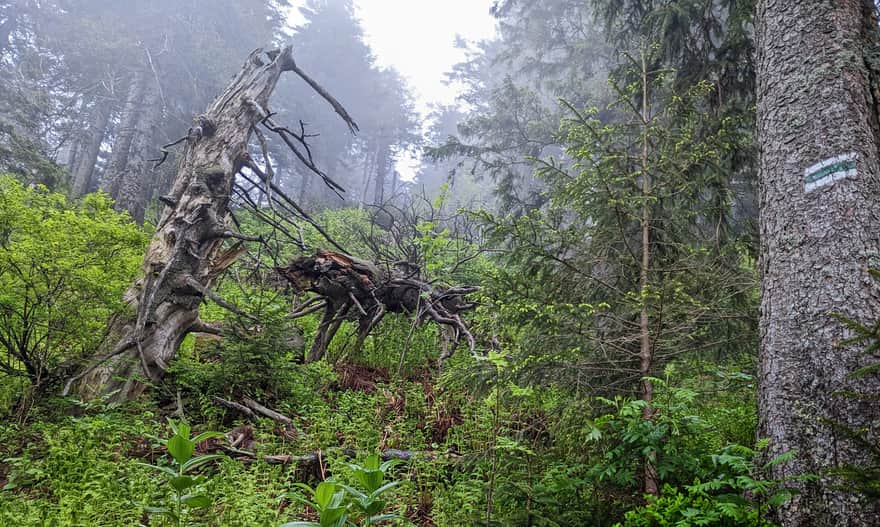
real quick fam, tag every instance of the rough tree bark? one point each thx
(819, 226)
(7, 27)
(186, 253)
(87, 156)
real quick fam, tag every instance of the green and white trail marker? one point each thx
(830, 170)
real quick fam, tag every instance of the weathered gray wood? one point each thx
(162, 307)
(815, 101)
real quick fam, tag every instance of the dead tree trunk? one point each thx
(186, 253)
(820, 177)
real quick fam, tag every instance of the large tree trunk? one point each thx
(819, 235)
(87, 155)
(184, 256)
(134, 181)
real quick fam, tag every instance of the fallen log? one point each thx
(267, 412)
(251, 409)
(348, 288)
(232, 405)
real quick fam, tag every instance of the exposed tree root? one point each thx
(348, 288)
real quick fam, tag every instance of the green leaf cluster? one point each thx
(187, 493)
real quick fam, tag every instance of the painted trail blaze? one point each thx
(830, 170)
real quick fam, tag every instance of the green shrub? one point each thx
(735, 494)
(63, 269)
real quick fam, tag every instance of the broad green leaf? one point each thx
(180, 448)
(334, 517)
(370, 479)
(324, 493)
(390, 463)
(181, 483)
(199, 501)
(355, 492)
(372, 462)
(208, 435)
(385, 488)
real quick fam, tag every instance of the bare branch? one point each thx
(192, 282)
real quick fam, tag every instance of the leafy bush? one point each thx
(58, 259)
(188, 492)
(253, 359)
(339, 505)
(734, 495)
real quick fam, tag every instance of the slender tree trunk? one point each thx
(645, 356)
(369, 163)
(125, 134)
(134, 182)
(304, 188)
(819, 221)
(87, 155)
(185, 255)
(381, 170)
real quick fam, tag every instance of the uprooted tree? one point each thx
(346, 287)
(188, 252)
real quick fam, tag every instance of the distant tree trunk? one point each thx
(125, 134)
(646, 362)
(818, 134)
(134, 181)
(304, 188)
(87, 154)
(185, 255)
(369, 163)
(381, 170)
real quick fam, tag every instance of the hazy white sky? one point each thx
(417, 37)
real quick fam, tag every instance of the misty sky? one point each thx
(417, 37)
